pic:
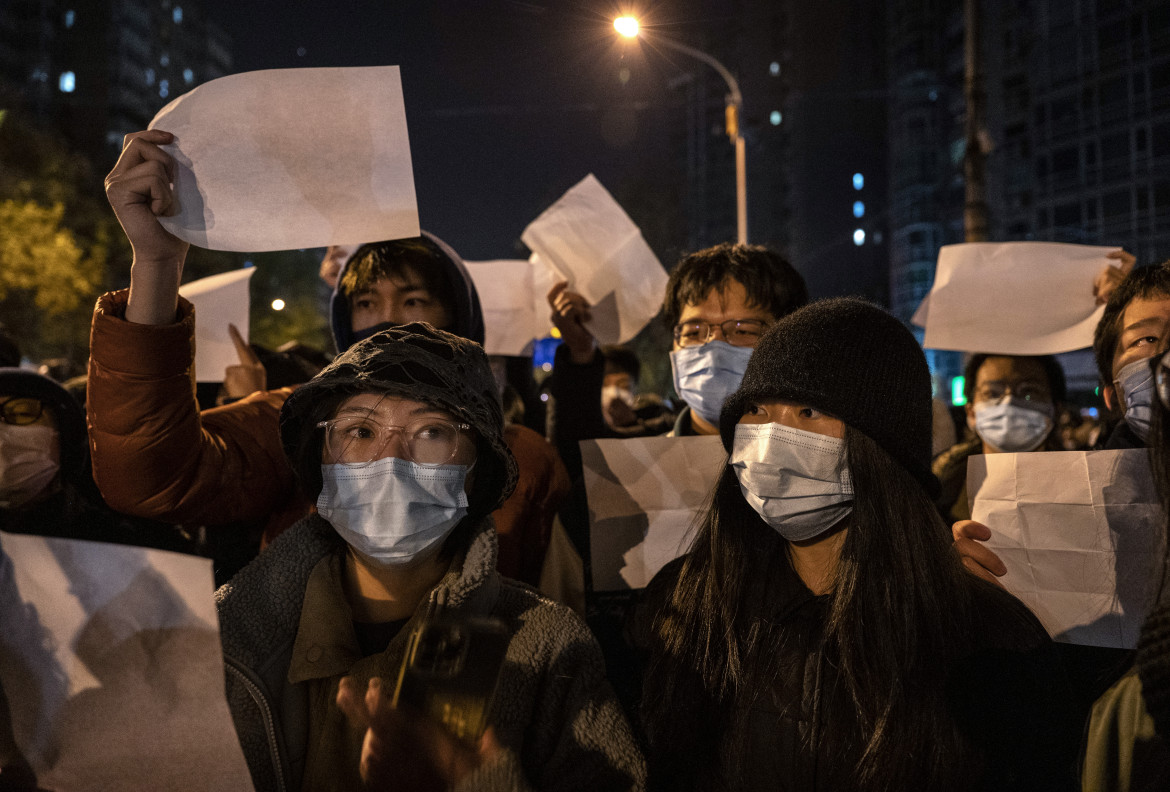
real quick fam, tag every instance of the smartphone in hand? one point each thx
(451, 669)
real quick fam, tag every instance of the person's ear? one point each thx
(970, 408)
(1109, 395)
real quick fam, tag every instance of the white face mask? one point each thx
(1012, 425)
(29, 461)
(612, 392)
(797, 481)
(393, 510)
(1135, 388)
(704, 376)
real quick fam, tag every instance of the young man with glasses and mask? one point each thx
(400, 443)
(717, 303)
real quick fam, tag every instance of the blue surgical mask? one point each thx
(393, 510)
(704, 376)
(1135, 388)
(797, 481)
(1012, 425)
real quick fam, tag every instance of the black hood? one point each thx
(70, 421)
(418, 362)
(467, 317)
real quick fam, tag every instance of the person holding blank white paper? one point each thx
(156, 455)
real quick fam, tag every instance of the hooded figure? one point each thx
(429, 259)
(45, 482)
(290, 619)
(157, 456)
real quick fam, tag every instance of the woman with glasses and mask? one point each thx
(400, 444)
(822, 634)
(45, 482)
(1127, 745)
(1012, 404)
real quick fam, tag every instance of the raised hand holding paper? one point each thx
(589, 240)
(291, 158)
(1014, 298)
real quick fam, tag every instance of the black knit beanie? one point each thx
(417, 362)
(854, 361)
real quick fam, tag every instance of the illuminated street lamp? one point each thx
(629, 27)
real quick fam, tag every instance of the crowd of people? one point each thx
(837, 623)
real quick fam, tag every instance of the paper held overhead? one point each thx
(589, 240)
(1014, 298)
(291, 158)
(1080, 534)
(219, 300)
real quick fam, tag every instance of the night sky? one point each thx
(508, 103)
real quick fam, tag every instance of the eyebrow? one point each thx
(1149, 321)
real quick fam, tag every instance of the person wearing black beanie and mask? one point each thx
(822, 634)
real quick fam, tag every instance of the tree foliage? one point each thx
(56, 239)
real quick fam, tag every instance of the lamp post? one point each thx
(628, 27)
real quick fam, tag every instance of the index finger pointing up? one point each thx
(247, 356)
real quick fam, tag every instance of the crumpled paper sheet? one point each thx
(1080, 533)
(111, 664)
(1013, 298)
(589, 240)
(284, 159)
(644, 496)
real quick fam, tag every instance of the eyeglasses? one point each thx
(737, 332)
(1160, 366)
(1027, 391)
(21, 411)
(360, 440)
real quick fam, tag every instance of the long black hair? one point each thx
(900, 608)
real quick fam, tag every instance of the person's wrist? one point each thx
(582, 353)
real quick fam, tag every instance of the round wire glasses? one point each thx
(21, 411)
(362, 439)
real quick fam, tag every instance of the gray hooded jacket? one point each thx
(554, 712)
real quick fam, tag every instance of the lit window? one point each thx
(164, 60)
(774, 69)
(67, 82)
(177, 14)
(775, 118)
(859, 237)
(858, 209)
(188, 76)
(164, 88)
(858, 181)
(150, 76)
(69, 18)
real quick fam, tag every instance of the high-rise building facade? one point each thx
(1077, 132)
(813, 84)
(98, 69)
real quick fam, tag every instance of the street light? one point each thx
(628, 26)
